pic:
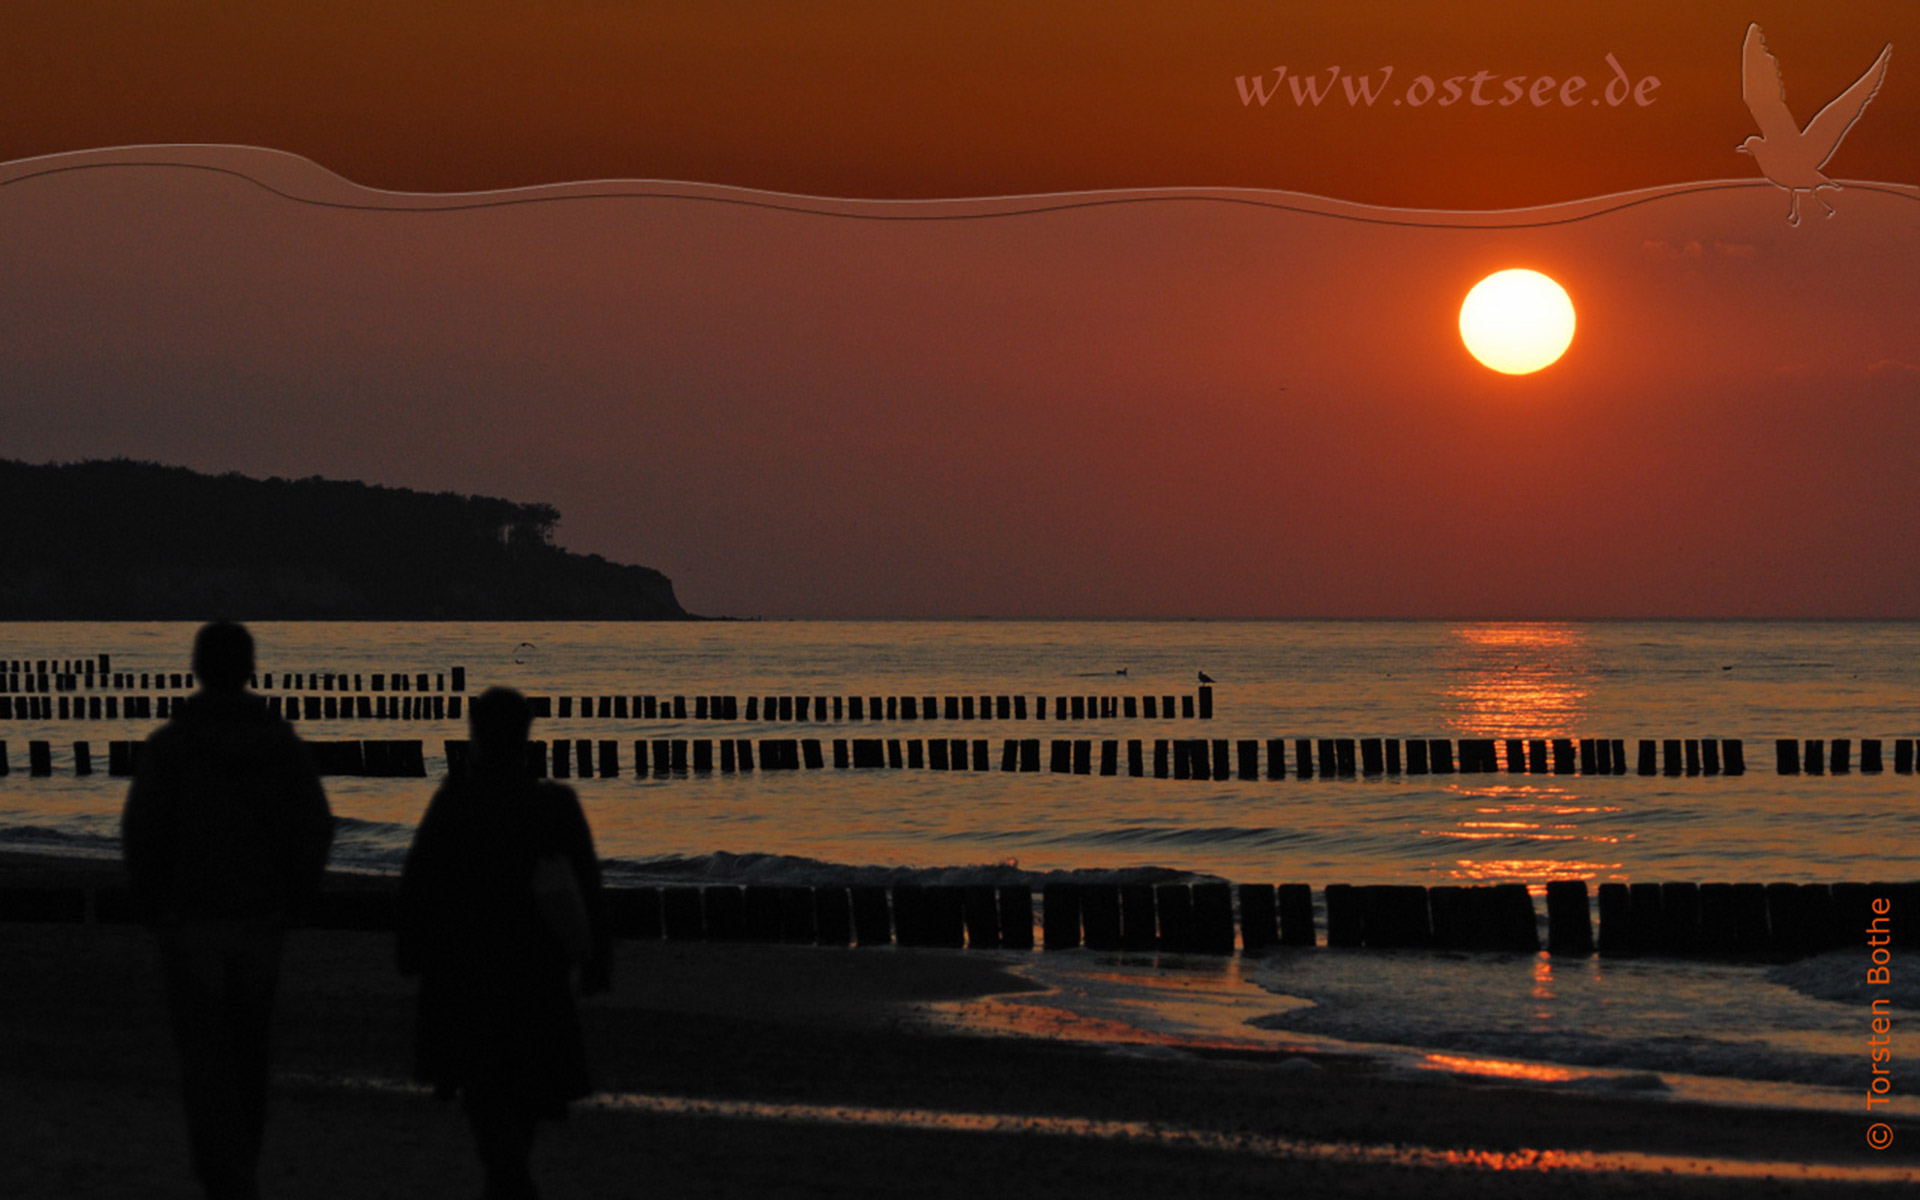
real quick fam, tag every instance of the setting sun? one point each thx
(1517, 321)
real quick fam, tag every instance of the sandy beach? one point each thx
(796, 1071)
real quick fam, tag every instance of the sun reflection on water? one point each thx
(1518, 680)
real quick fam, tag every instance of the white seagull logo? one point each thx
(1788, 156)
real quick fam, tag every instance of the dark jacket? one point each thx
(226, 818)
(496, 1004)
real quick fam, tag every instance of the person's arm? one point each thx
(576, 842)
(414, 916)
(310, 830)
(146, 827)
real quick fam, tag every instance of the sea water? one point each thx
(1775, 1028)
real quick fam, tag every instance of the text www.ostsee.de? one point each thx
(1482, 89)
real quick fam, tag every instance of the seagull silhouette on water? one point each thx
(1205, 678)
(1787, 155)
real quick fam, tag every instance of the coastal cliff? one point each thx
(127, 541)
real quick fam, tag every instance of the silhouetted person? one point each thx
(496, 1020)
(225, 833)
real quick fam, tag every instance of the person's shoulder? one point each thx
(549, 790)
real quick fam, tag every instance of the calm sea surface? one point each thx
(1277, 679)
(1672, 1028)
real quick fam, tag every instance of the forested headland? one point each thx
(124, 540)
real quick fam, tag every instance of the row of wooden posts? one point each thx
(1171, 758)
(1740, 920)
(79, 676)
(388, 707)
(771, 709)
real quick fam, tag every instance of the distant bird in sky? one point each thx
(1205, 678)
(1788, 156)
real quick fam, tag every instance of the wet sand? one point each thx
(795, 1071)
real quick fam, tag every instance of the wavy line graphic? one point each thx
(303, 181)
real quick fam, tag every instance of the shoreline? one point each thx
(765, 1069)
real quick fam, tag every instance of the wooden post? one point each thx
(1646, 914)
(1136, 761)
(1649, 758)
(1732, 750)
(1110, 757)
(1212, 918)
(1100, 915)
(1870, 756)
(1343, 757)
(1416, 756)
(1750, 932)
(1175, 904)
(634, 913)
(1393, 916)
(1789, 931)
(1710, 756)
(946, 916)
(1060, 915)
(1816, 760)
(1615, 936)
(872, 916)
(1569, 926)
(1303, 757)
(1138, 927)
(832, 916)
(1016, 917)
(1679, 919)
(1206, 702)
(1372, 760)
(1247, 753)
(682, 914)
(982, 916)
(1440, 756)
(1562, 756)
(1343, 916)
(1160, 763)
(1295, 901)
(1516, 756)
(1840, 756)
(1693, 756)
(1786, 753)
(912, 924)
(762, 914)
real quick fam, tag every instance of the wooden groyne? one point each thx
(1195, 759)
(1750, 921)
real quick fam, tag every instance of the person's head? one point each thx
(499, 719)
(223, 656)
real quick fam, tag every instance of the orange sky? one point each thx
(1188, 409)
(933, 99)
